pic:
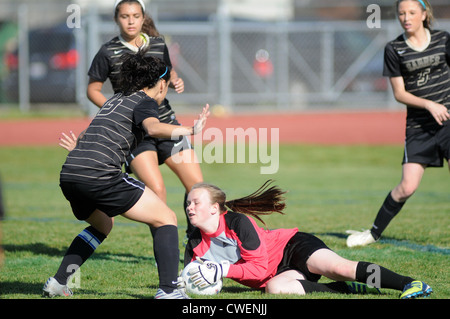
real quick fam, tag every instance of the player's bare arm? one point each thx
(438, 111)
(163, 130)
(94, 93)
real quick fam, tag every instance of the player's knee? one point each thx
(160, 191)
(166, 217)
(273, 288)
(405, 191)
(292, 286)
(108, 227)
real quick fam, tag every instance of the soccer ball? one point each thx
(213, 289)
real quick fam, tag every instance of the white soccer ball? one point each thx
(213, 289)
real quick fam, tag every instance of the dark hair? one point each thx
(263, 201)
(116, 11)
(139, 71)
(149, 27)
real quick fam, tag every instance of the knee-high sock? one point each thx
(387, 212)
(384, 277)
(167, 255)
(82, 247)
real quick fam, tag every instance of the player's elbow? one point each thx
(153, 127)
(152, 131)
(398, 96)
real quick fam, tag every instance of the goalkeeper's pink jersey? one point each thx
(253, 252)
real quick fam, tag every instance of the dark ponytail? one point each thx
(139, 71)
(263, 201)
(149, 27)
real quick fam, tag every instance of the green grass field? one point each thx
(331, 189)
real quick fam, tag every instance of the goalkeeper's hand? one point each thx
(208, 272)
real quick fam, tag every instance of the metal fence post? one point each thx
(327, 63)
(81, 78)
(93, 45)
(24, 59)
(282, 72)
(225, 71)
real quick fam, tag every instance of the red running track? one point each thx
(343, 128)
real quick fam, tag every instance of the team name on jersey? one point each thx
(423, 62)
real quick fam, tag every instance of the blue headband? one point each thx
(423, 4)
(165, 72)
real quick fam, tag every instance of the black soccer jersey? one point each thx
(425, 73)
(115, 130)
(106, 64)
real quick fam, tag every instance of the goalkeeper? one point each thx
(278, 261)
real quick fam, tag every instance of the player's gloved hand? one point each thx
(208, 272)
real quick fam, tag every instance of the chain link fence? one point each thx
(242, 65)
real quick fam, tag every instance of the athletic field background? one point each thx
(337, 168)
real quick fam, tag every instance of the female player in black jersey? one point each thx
(144, 161)
(92, 180)
(417, 63)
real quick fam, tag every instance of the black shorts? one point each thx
(164, 147)
(297, 252)
(112, 197)
(428, 146)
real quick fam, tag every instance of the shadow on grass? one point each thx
(44, 249)
(34, 290)
(396, 242)
(22, 288)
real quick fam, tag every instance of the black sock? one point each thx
(333, 287)
(167, 255)
(380, 277)
(79, 251)
(387, 212)
(190, 229)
